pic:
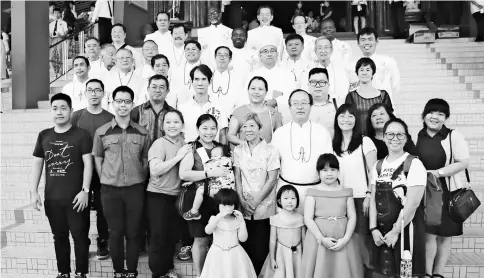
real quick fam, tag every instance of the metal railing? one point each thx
(62, 52)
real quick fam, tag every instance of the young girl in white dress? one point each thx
(226, 258)
(287, 234)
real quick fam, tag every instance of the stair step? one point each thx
(25, 259)
(463, 60)
(466, 65)
(457, 48)
(422, 94)
(465, 72)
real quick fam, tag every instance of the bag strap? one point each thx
(335, 104)
(451, 156)
(378, 166)
(365, 164)
(402, 241)
(407, 163)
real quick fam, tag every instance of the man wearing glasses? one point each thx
(123, 75)
(90, 119)
(337, 74)
(279, 79)
(120, 151)
(300, 143)
(265, 33)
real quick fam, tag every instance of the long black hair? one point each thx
(356, 137)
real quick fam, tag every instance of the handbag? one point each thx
(463, 202)
(406, 255)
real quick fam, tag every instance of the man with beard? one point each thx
(213, 36)
(300, 25)
(90, 119)
(266, 34)
(341, 50)
(162, 37)
(244, 59)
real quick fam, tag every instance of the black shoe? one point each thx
(131, 274)
(119, 275)
(80, 275)
(63, 275)
(102, 249)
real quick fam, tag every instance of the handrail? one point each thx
(90, 25)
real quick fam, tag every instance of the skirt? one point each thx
(355, 12)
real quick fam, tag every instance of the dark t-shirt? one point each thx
(62, 154)
(90, 122)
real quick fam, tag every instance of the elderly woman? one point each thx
(378, 115)
(256, 166)
(366, 94)
(192, 170)
(445, 154)
(398, 184)
(270, 118)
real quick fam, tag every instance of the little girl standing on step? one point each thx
(287, 234)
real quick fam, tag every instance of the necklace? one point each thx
(302, 153)
(219, 90)
(74, 89)
(178, 62)
(121, 83)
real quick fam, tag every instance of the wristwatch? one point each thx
(86, 190)
(441, 173)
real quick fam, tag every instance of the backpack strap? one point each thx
(407, 163)
(335, 104)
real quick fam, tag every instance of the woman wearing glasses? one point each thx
(444, 152)
(366, 94)
(398, 184)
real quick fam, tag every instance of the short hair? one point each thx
(61, 96)
(363, 62)
(159, 77)
(119, 25)
(107, 45)
(147, 41)
(305, 19)
(320, 38)
(370, 130)
(285, 188)
(162, 12)
(196, 43)
(314, 71)
(123, 89)
(266, 85)
(173, 110)
(205, 118)
(223, 47)
(56, 9)
(94, 80)
(401, 122)
(204, 69)
(311, 101)
(327, 159)
(178, 25)
(83, 58)
(91, 39)
(158, 57)
(294, 36)
(328, 20)
(228, 197)
(367, 31)
(253, 116)
(265, 7)
(51, 3)
(436, 105)
(124, 49)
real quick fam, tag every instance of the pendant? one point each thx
(294, 249)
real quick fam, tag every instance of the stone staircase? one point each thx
(450, 69)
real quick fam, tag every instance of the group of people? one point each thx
(268, 153)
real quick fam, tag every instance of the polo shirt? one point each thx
(123, 151)
(145, 116)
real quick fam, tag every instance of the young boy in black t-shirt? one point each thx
(66, 152)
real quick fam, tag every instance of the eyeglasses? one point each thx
(126, 101)
(300, 104)
(267, 51)
(318, 83)
(222, 56)
(97, 91)
(400, 136)
(326, 48)
(124, 58)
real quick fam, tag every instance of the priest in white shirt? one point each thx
(93, 53)
(300, 143)
(266, 34)
(118, 35)
(279, 79)
(149, 50)
(294, 61)
(108, 55)
(337, 71)
(341, 50)
(226, 86)
(124, 75)
(244, 58)
(162, 37)
(300, 25)
(181, 82)
(213, 36)
(176, 54)
(387, 75)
